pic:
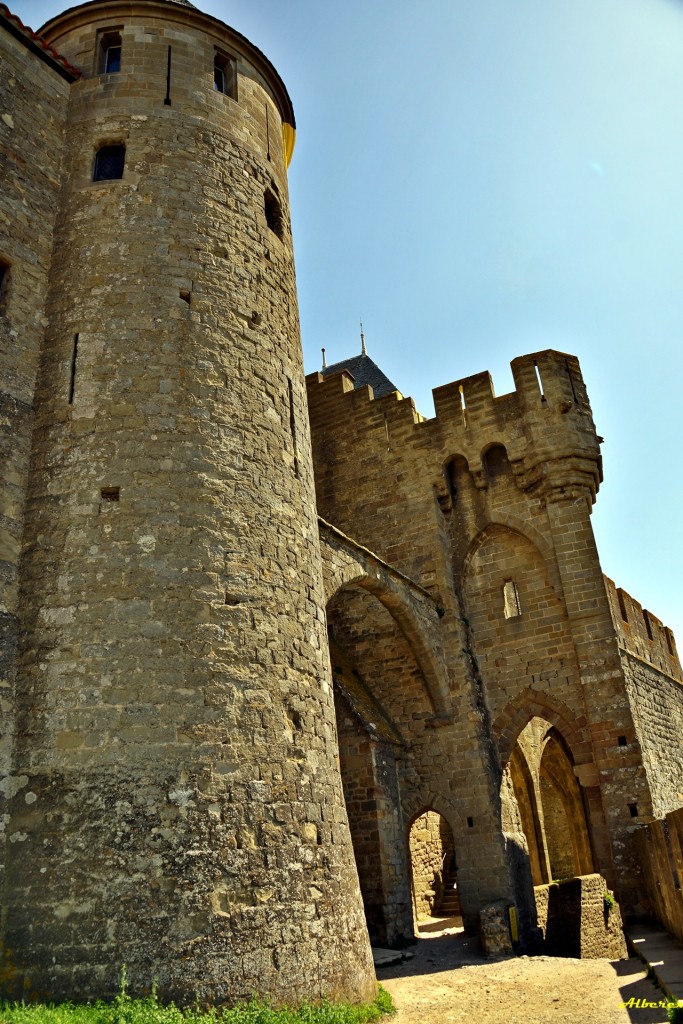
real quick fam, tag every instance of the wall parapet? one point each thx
(545, 424)
(642, 634)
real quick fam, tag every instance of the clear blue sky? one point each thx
(478, 179)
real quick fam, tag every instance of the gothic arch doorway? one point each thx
(433, 870)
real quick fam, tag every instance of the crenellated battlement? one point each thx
(641, 633)
(545, 425)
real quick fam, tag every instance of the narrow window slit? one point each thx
(669, 641)
(292, 426)
(633, 810)
(470, 822)
(571, 379)
(622, 605)
(72, 370)
(648, 627)
(463, 406)
(4, 281)
(540, 381)
(167, 99)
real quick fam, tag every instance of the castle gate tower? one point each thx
(178, 806)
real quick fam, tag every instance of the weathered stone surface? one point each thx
(184, 780)
(576, 921)
(172, 607)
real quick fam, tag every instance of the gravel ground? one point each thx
(448, 980)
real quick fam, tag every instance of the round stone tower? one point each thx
(179, 805)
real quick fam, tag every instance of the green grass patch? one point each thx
(124, 1010)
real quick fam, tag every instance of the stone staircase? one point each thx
(449, 904)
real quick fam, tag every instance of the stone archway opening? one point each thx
(434, 874)
(380, 693)
(551, 804)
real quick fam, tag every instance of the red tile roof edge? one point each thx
(33, 37)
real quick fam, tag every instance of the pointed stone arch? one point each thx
(531, 703)
(529, 533)
(415, 611)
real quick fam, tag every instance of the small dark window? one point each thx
(110, 493)
(470, 822)
(633, 810)
(109, 52)
(273, 213)
(109, 161)
(621, 740)
(225, 75)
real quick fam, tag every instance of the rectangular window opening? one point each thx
(622, 605)
(225, 74)
(109, 163)
(470, 822)
(108, 51)
(110, 493)
(621, 740)
(633, 810)
(511, 606)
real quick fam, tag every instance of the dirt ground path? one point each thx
(448, 981)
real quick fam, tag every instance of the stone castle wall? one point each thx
(31, 150)
(493, 493)
(182, 808)
(169, 754)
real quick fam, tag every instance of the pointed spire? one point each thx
(363, 349)
(324, 360)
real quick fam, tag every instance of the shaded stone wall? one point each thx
(576, 921)
(660, 847)
(183, 809)
(657, 703)
(33, 104)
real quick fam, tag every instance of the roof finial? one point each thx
(324, 360)
(362, 340)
